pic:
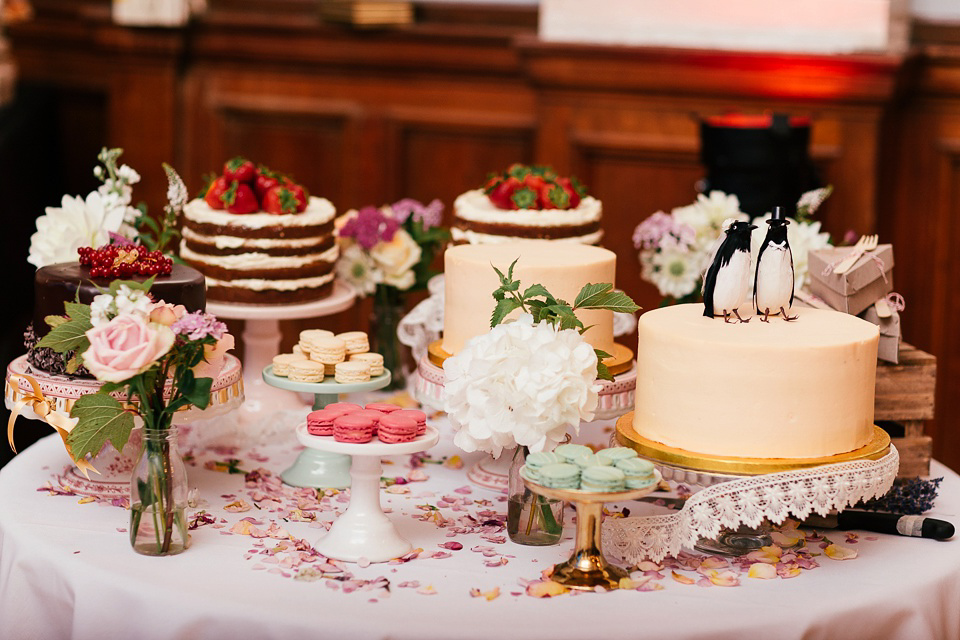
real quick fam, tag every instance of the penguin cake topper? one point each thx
(727, 283)
(774, 280)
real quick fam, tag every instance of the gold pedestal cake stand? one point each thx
(707, 470)
(586, 568)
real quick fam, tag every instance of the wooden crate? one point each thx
(904, 400)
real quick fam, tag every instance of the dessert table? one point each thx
(67, 569)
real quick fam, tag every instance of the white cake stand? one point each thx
(261, 341)
(363, 531)
(313, 467)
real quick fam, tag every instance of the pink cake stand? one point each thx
(226, 394)
(261, 341)
(363, 530)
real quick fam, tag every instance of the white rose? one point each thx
(397, 256)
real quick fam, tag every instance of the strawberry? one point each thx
(501, 194)
(266, 179)
(298, 192)
(240, 169)
(524, 198)
(240, 198)
(575, 191)
(280, 200)
(553, 196)
(213, 196)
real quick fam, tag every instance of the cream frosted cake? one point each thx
(261, 243)
(800, 389)
(470, 280)
(527, 202)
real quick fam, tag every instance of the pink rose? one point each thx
(124, 347)
(213, 355)
(166, 314)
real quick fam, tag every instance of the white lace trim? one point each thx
(748, 501)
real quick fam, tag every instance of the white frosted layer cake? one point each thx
(478, 221)
(261, 257)
(801, 389)
(470, 282)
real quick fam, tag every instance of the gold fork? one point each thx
(864, 245)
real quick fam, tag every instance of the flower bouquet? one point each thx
(676, 248)
(160, 359)
(387, 252)
(524, 383)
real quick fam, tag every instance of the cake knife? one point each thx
(892, 523)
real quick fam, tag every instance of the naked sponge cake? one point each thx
(527, 202)
(799, 389)
(259, 238)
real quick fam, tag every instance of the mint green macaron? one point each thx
(602, 479)
(615, 454)
(537, 460)
(589, 459)
(560, 475)
(569, 451)
(639, 472)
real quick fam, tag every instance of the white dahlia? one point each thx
(75, 223)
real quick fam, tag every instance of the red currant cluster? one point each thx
(115, 261)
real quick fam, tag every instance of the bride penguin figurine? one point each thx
(727, 283)
(773, 285)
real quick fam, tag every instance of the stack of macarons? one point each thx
(348, 422)
(320, 353)
(575, 466)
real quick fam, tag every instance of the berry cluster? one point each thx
(536, 187)
(245, 188)
(116, 261)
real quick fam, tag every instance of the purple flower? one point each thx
(648, 233)
(430, 215)
(198, 325)
(370, 226)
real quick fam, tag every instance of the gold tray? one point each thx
(621, 359)
(878, 447)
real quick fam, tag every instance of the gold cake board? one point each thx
(627, 436)
(621, 359)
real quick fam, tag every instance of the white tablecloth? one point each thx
(67, 571)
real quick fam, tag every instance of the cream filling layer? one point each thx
(476, 206)
(235, 242)
(259, 284)
(318, 211)
(474, 237)
(247, 261)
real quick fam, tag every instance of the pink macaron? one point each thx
(320, 422)
(383, 407)
(343, 407)
(372, 414)
(417, 415)
(352, 428)
(395, 428)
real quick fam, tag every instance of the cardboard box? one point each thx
(858, 288)
(889, 348)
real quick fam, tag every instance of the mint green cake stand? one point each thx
(315, 468)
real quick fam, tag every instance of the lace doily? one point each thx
(424, 324)
(748, 501)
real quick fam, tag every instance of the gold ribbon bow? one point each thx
(41, 406)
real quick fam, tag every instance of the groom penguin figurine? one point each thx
(773, 285)
(727, 283)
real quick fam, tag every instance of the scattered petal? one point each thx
(545, 589)
(493, 594)
(682, 579)
(762, 570)
(237, 506)
(723, 578)
(427, 591)
(837, 552)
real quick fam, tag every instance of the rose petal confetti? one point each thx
(237, 506)
(682, 579)
(837, 552)
(762, 570)
(493, 594)
(545, 589)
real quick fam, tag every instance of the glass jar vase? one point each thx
(158, 495)
(532, 519)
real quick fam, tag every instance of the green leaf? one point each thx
(602, 355)
(77, 311)
(502, 310)
(55, 321)
(67, 337)
(102, 418)
(132, 284)
(200, 394)
(539, 290)
(590, 291)
(603, 373)
(73, 364)
(611, 301)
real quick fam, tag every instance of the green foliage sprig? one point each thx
(545, 307)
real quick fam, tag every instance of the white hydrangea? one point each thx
(132, 301)
(76, 223)
(520, 384)
(102, 309)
